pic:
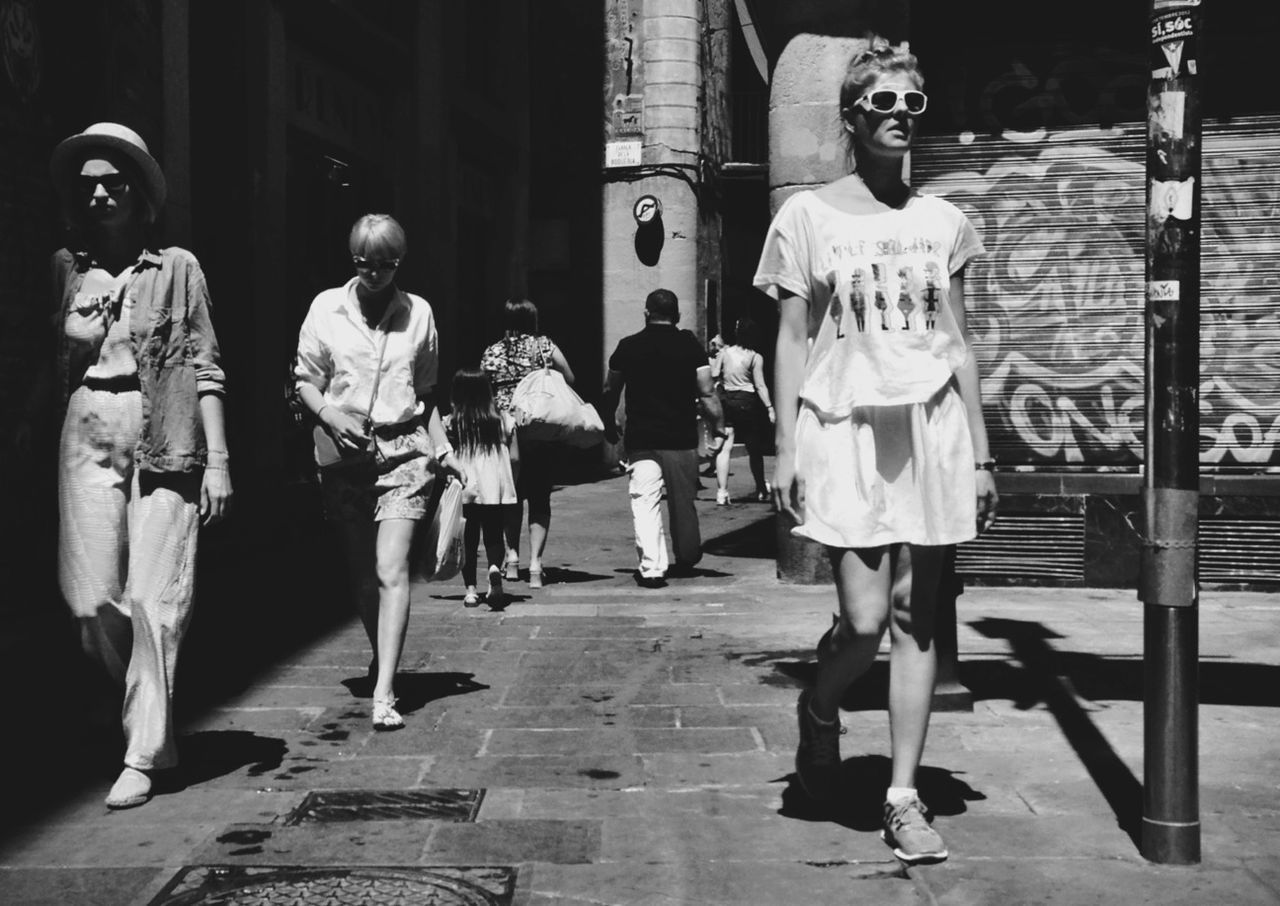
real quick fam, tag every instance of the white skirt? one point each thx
(888, 474)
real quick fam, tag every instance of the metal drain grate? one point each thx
(224, 885)
(388, 805)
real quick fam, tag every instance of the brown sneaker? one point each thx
(818, 754)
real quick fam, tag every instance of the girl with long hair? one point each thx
(484, 439)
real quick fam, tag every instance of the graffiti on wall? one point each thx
(1057, 304)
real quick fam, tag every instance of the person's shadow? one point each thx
(861, 805)
(416, 690)
(208, 754)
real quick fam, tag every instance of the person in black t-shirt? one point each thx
(667, 379)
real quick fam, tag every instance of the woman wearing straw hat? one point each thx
(143, 454)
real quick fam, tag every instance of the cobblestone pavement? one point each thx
(599, 743)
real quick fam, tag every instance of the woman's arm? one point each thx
(215, 487)
(788, 371)
(762, 388)
(561, 364)
(969, 383)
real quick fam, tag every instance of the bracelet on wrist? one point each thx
(321, 410)
(985, 465)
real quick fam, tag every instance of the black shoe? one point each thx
(681, 571)
(818, 754)
(650, 581)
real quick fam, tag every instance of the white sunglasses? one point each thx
(886, 100)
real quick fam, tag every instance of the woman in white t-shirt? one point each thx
(882, 452)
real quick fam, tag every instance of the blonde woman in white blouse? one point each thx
(364, 332)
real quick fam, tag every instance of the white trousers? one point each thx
(126, 562)
(645, 489)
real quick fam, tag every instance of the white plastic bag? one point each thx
(441, 548)
(546, 408)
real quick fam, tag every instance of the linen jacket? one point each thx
(175, 346)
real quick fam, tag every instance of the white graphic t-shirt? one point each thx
(881, 329)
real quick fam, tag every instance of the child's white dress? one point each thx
(882, 436)
(489, 473)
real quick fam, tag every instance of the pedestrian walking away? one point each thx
(366, 369)
(667, 378)
(882, 451)
(484, 439)
(142, 460)
(521, 351)
(748, 410)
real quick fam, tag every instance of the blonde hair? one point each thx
(865, 68)
(378, 235)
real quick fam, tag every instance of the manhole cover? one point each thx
(375, 805)
(215, 885)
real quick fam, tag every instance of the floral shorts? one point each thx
(396, 488)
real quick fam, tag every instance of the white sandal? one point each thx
(385, 715)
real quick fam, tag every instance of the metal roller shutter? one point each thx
(1058, 301)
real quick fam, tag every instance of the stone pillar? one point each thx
(806, 151)
(656, 94)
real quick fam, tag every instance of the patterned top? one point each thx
(509, 360)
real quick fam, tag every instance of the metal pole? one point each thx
(1171, 483)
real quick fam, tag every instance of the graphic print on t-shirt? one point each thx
(907, 292)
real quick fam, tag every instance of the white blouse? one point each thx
(338, 354)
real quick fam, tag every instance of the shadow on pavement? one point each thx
(865, 778)
(755, 540)
(209, 754)
(414, 690)
(1042, 679)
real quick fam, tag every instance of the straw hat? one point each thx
(71, 152)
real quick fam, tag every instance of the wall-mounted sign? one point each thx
(622, 153)
(646, 209)
(628, 115)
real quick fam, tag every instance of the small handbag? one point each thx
(329, 455)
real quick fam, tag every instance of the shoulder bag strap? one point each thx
(377, 377)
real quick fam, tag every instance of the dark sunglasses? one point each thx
(114, 183)
(373, 264)
(885, 100)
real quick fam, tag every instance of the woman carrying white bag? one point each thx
(521, 352)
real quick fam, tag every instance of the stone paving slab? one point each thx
(730, 884)
(1080, 881)
(60, 886)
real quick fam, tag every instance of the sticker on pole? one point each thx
(1164, 290)
(1173, 42)
(1171, 198)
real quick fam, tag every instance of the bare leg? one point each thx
(360, 540)
(539, 525)
(913, 658)
(722, 462)
(512, 521)
(862, 591)
(394, 537)
(755, 459)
